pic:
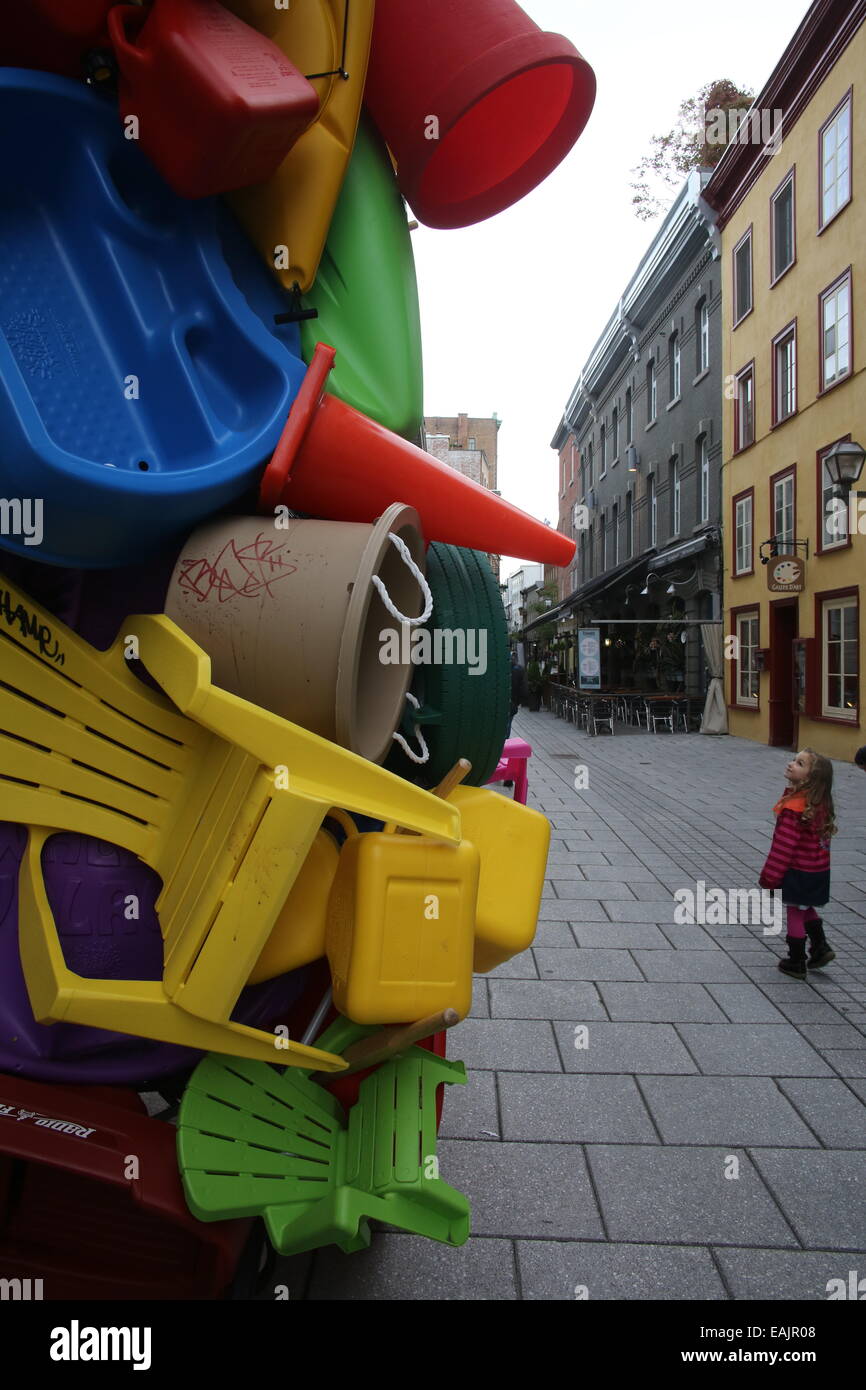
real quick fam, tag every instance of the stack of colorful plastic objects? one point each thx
(255, 1142)
(209, 309)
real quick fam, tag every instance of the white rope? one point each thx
(417, 734)
(425, 588)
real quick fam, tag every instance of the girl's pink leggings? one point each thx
(797, 919)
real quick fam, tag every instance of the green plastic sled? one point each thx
(253, 1141)
(367, 295)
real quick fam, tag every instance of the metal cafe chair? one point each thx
(602, 713)
(661, 712)
(640, 713)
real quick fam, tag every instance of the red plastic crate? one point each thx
(71, 1217)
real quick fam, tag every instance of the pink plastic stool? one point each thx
(512, 767)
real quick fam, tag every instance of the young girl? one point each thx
(799, 858)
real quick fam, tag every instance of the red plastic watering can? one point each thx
(217, 105)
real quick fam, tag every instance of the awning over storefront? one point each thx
(593, 589)
(683, 551)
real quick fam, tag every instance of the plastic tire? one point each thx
(462, 715)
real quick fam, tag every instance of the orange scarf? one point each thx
(791, 801)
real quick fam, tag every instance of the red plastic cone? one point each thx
(476, 102)
(338, 464)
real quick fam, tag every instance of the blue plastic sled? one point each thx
(140, 391)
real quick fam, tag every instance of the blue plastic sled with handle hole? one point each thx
(139, 389)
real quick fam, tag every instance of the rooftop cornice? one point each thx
(688, 224)
(827, 29)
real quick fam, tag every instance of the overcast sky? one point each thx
(510, 308)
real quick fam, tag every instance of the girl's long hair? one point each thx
(818, 789)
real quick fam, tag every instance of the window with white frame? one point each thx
(675, 497)
(602, 452)
(702, 335)
(785, 375)
(836, 332)
(615, 544)
(743, 535)
(589, 463)
(629, 526)
(704, 478)
(783, 509)
(674, 366)
(629, 421)
(782, 228)
(747, 670)
(651, 391)
(743, 277)
(834, 511)
(744, 409)
(840, 693)
(602, 542)
(572, 460)
(614, 434)
(653, 510)
(836, 162)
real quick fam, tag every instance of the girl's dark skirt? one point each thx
(802, 889)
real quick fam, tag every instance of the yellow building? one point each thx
(791, 202)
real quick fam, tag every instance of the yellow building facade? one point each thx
(791, 208)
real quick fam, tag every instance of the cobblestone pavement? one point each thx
(705, 1137)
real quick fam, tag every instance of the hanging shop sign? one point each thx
(786, 574)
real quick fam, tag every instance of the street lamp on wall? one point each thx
(844, 463)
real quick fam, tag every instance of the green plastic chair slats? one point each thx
(252, 1141)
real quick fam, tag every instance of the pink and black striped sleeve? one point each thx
(789, 827)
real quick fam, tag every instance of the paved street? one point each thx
(653, 1110)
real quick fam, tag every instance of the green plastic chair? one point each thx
(252, 1141)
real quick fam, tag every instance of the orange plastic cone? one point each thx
(338, 464)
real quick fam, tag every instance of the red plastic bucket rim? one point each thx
(467, 90)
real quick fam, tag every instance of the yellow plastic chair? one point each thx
(294, 207)
(298, 935)
(222, 799)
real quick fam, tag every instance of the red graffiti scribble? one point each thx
(242, 572)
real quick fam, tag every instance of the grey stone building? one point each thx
(640, 456)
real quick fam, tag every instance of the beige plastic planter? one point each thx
(291, 618)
